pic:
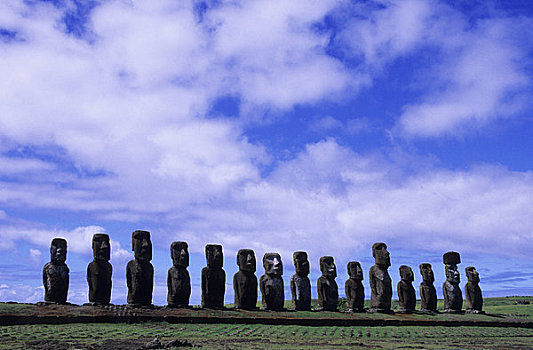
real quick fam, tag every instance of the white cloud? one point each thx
(35, 255)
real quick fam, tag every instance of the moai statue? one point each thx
(55, 273)
(474, 299)
(300, 284)
(355, 292)
(178, 279)
(428, 293)
(271, 283)
(99, 271)
(406, 291)
(453, 298)
(380, 281)
(328, 292)
(139, 271)
(245, 281)
(213, 278)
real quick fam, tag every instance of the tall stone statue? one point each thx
(245, 281)
(271, 283)
(139, 271)
(178, 279)
(213, 278)
(406, 291)
(453, 298)
(380, 281)
(99, 271)
(328, 292)
(55, 273)
(355, 292)
(474, 299)
(428, 293)
(300, 284)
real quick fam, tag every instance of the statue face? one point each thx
(380, 254)
(101, 247)
(427, 273)
(272, 264)
(58, 250)
(472, 274)
(327, 267)
(355, 271)
(179, 253)
(142, 245)
(406, 273)
(452, 275)
(246, 260)
(301, 264)
(213, 254)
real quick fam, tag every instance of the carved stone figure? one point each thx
(474, 299)
(99, 271)
(245, 281)
(213, 278)
(328, 292)
(355, 292)
(380, 281)
(428, 293)
(139, 271)
(178, 279)
(55, 273)
(300, 284)
(453, 298)
(406, 291)
(271, 283)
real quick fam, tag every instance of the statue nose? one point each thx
(105, 244)
(145, 243)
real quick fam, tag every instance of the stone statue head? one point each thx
(141, 245)
(214, 256)
(452, 275)
(246, 260)
(301, 264)
(355, 271)
(380, 254)
(179, 251)
(472, 274)
(101, 247)
(406, 273)
(272, 264)
(327, 267)
(58, 250)
(427, 273)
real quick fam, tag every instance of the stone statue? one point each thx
(213, 278)
(139, 271)
(245, 281)
(380, 281)
(55, 273)
(474, 299)
(271, 283)
(453, 298)
(406, 291)
(355, 292)
(300, 284)
(428, 293)
(99, 271)
(178, 279)
(328, 292)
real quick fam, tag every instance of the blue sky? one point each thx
(314, 125)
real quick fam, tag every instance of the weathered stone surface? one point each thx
(245, 281)
(473, 297)
(139, 271)
(56, 273)
(99, 271)
(453, 297)
(354, 289)
(406, 291)
(178, 279)
(300, 284)
(271, 283)
(328, 292)
(428, 293)
(380, 281)
(213, 278)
